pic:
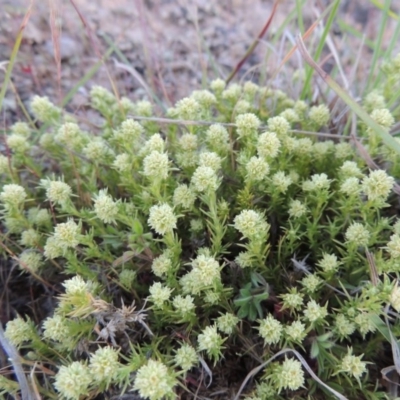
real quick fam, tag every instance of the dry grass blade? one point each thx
(14, 53)
(356, 108)
(372, 268)
(303, 362)
(95, 47)
(305, 36)
(254, 44)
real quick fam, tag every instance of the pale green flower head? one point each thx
(290, 115)
(162, 264)
(39, 217)
(227, 322)
(56, 328)
(251, 224)
(374, 100)
(304, 147)
(314, 312)
(329, 263)
(101, 98)
(311, 283)
(383, 117)
(288, 375)
(72, 381)
(30, 238)
(350, 169)
(279, 125)
(292, 300)
(75, 286)
(159, 294)
(394, 298)
(295, 332)
(98, 150)
(184, 305)
(4, 165)
(186, 357)
(297, 209)
(144, 108)
(18, 143)
(281, 181)
(105, 208)
(184, 196)
(67, 233)
(217, 85)
(204, 97)
(124, 105)
(30, 260)
(188, 108)
(44, 110)
(364, 323)
(206, 270)
(247, 125)
(242, 107)
(129, 131)
(12, 195)
(156, 165)
(232, 93)
(122, 163)
(343, 150)
(188, 142)
(250, 89)
(21, 128)
(104, 365)
(318, 182)
(268, 145)
(217, 138)
(352, 365)
(71, 136)
(58, 192)
(270, 330)
(357, 234)
(153, 381)
(210, 341)
(378, 185)
(393, 246)
(210, 159)
(321, 150)
(204, 179)
(155, 143)
(350, 186)
(257, 169)
(244, 259)
(319, 115)
(19, 331)
(301, 108)
(162, 219)
(343, 326)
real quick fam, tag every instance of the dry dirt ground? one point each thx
(172, 45)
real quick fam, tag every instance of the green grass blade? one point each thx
(86, 77)
(307, 84)
(354, 106)
(122, 57)
(377, 48)
(13, 57)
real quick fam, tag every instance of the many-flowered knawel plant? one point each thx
(181, 255)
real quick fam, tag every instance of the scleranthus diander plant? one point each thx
(177, 250)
